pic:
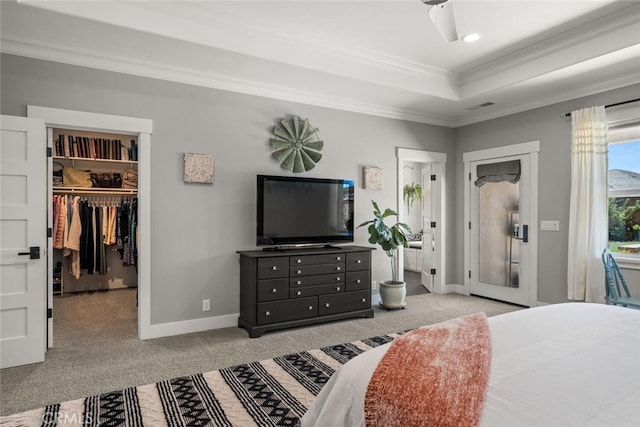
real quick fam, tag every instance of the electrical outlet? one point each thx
(374, 284)
(206, 305)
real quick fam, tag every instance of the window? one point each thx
(624, 189)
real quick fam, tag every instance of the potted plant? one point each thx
(394, 291)
(411, 193)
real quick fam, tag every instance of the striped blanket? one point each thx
(271, 392)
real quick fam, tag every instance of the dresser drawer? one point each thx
(282, 311)
(339, 303)
(357, 280)
(273, 289)
(309, 270)
(323, 279)
(358, 261)
(308, 291)
(273, 267)
(316, 259)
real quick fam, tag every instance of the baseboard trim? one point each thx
(189, 326)
(453, 288)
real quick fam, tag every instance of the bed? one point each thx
(573, 364)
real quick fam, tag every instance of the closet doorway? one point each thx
(424, 260)
(103, 204)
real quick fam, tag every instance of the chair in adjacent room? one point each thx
(617, 292)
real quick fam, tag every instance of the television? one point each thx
(294, 211)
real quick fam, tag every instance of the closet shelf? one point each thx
(92, 190)
(90, 161)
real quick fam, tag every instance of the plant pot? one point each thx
(393, 294)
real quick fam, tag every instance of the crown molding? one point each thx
(621, 28)
(93, 59)
(588, 90)
(227, 31)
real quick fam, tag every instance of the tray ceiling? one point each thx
(376, 57)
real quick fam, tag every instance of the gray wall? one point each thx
(550, 126)
(196, 229)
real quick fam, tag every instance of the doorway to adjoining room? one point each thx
(420, 194)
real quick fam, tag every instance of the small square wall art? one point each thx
(198, 168)
(372, 179)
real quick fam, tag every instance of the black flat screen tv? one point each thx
(304, 211)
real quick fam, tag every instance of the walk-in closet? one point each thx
(94, 234)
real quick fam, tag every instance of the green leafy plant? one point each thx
(622, 216)
(411, 193)
(389, 238)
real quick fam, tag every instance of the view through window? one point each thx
(624, 197)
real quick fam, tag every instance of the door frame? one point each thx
(531, 148)
(143, 128)
(440, 159)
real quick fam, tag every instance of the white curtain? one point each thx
(588, 221)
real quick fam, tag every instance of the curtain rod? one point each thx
(613, 105)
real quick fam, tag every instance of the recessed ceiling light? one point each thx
(471, 37)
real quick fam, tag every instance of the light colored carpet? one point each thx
(96, 349)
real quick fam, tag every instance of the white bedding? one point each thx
(573, 364)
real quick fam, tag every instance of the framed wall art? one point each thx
(372, 178)
(198, 168)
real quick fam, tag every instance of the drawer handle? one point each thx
(268, 313)
(274, 290)
(299, 293)
(364, 300)
(327, 305)
(274, 268)
(310, 307)
(337, 288)
(299, 271)
(338, 279)
(337, 258)
(337, 268)
(358, 281)
(299, 282)
(359, 261)
(298, 260)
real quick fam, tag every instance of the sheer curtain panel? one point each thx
(588, 206)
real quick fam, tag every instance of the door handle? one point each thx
(34, 252)
(525, 233)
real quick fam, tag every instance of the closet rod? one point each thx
(614, 104)
(96, 192)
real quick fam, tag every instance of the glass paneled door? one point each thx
(499, 230)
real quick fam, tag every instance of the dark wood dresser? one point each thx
(296, 287)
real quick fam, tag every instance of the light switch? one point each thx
(549, 225)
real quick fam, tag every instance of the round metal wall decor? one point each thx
(296, 144)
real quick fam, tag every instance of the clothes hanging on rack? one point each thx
(128, 232)
(85, 226)
(87, 240)
(72, 247)
(60, 215)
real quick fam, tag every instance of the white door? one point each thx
(23, 231)
(428, 264)
(500, 233)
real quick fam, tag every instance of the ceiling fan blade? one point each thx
(444, 19)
